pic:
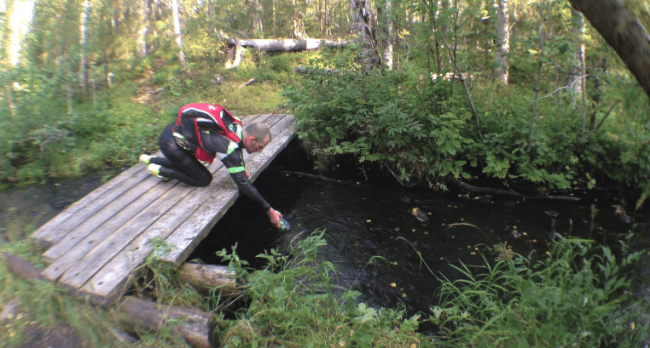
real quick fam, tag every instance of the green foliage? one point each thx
(418, 128)
(294, 304)
(574, 296)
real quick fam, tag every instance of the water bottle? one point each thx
(284, 224)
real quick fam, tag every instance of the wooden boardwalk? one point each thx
(95, 245)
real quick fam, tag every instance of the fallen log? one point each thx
(286, 45)
(191, 324)
(477, 189)
(207, 277)
(22, 268)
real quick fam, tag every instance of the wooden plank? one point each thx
(68, 255)
(51, 232)
(80, 241)
(193, 230)
(111, 280)
(48, 233)
(81, 217)
(74, 237)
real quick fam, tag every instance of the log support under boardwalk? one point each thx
(191, 324)
(207, 277)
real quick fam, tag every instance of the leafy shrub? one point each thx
(572, 297)
(294, 304)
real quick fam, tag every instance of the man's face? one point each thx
(253, 145)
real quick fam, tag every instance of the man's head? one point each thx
(256, 136)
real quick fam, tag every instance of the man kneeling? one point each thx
(205, 131)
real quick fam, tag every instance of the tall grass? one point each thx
(574, 296)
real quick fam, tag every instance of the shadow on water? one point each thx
(363, 221)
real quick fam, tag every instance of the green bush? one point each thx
(294, 304)
(574, 296)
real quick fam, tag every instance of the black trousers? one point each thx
(179, 163)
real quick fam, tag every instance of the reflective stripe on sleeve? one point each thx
(235, 170)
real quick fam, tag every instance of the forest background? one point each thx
(525, 93)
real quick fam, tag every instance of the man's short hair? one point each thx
(260, 131)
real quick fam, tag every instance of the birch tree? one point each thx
(366, 31)
(387, 37)
(178, 33)
(143, 33)
(503, 37)
(83, 61)
(579, 78)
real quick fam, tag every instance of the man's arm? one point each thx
(246, 187)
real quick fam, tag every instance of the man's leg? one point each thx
(178, 164)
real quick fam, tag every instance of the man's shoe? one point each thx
(155, 169)
(145, 159)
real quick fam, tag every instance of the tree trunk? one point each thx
(178, 33)
(143, 37)
(286, 45)
(255, 12)
(620, 27)
(367, 34)
(211, 19)
(191, 324)
(206, 277)
(83, 61)
(387, 38)
(503, 37)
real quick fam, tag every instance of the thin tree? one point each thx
(83, 41)
(387, 36)
(503, 37)
(367, 34)
(540, 63)
(178, 33)
(143, 33)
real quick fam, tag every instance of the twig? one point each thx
(471, 188)
(604, 117)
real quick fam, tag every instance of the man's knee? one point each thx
(204, 180)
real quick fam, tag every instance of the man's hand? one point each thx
(277, 220)
(248, 175)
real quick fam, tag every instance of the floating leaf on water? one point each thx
(396, 229)
(395, 263)
(473, 253)
(413, 230)
(525, 233)
(443, 224)
(393, 285)
(426, 232)
(368, 221)
(442, 259)
(403, 295)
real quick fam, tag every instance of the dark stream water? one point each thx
(363, 220)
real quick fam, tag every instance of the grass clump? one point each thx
(294, 303)
(574, 296)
